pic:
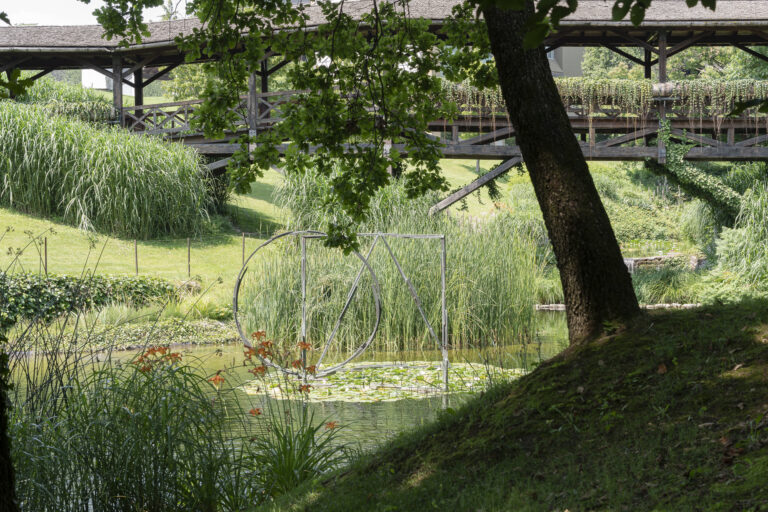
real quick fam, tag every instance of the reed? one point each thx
(494, 268)
(99, 179)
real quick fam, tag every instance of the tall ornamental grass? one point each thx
(98, 179)
(71, 101)
(742, 250)
(494, 269)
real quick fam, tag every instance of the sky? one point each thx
(57, 12)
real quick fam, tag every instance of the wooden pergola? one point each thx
(669, 28)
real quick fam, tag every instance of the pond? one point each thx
(370, 422)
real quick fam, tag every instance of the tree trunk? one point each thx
(7, 486)
(596, 283)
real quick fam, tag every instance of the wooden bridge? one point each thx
(606, 132)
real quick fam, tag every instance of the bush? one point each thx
(100, 179)
(34, 296)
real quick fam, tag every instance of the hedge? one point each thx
(36, 296)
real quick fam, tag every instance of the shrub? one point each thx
(34, 296)
(100, 179)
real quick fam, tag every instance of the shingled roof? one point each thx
(591, 15)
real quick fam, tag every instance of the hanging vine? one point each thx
(693, 180)
(693, 98)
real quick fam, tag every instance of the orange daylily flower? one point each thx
(162, 350)
(255, 411)
(331, 425)
(258, 335)
(145, 368)
(311, 369)
(297, 363)
(249, 352)
(216, 380)
(173, 357)
(266, 344)
(304, 345)
(305, 388)
(259, 370)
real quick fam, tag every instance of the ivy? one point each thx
(692, 180)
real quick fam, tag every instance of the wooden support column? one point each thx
(253, 114)
(662, 150)
(264, 109)
(117, 86)
(138, 93)
(647, 58)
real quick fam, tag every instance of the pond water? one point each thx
(367, 424)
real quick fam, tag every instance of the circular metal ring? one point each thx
(320, 372)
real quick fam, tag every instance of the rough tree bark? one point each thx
(596, 283)
(7, 486)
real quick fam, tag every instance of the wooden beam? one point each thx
(278, 66)
(695, 138)
(627, 138)
(139, 65)
(624, 54)
(753, 141)
(218, 164)
(161, 73)
(479, 182)
(684, 45)
(751, 52)
(40, 74)
(14, 63)
(500, 134)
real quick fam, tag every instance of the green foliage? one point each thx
(70, 101)
(35, 296)
(132, 438)
(489, 304)
(742, 250)
(99, 179)
(693, 180)
(673, 282)
(188, 82)
(668, 414)
(294, 449)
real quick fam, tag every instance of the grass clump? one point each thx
(70, 101)
(99, 179)
(669, 414)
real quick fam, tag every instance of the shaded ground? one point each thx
(668, 415)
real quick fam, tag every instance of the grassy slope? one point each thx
(668, 415)
(216, 255)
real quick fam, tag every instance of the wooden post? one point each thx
(117, 86)
(138, 91)
(648, 67)
(662, 150)
(136, 255)
(189, 258)
(731, 136)
(253, 105)
(45, 255)
(662, 56)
